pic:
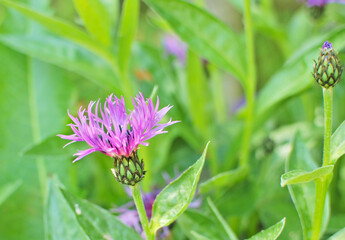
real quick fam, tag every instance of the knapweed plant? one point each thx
(116, 133)
(249, 149)
(327, 73)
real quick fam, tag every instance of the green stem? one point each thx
(328, 108)
(250, 85)
(321, 185)
(34, 120)
(218, 94)
(320, 197)
(138, 200)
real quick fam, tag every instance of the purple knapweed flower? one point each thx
(321, 3)
(174, 46)
(116, 133)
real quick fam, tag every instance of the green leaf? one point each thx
(67, 217)
(271, 233)
(336, 222)
(61, 28)
(192, 222)
(221, 220)
(340, 235)
(96, 19)
(221, 180)
(60, 219)
(112, 8)
(300, 176)
(174, 199)
(204, 34)
(41, 93)
(294, 77)
(198, 94)
(8, 189)
(64, 54)
(127, 31)
(289, 81)
(338, 143)
(91, 216)
(303, 195)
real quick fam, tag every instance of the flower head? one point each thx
(327, 68)
(113, 131)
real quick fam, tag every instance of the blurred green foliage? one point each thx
(58, 55)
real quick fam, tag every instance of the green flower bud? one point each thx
(128, 170)
(327, 68)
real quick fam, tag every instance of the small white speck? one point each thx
(77, 209)
(108, 237)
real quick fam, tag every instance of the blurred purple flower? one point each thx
(115, 132)
(129, 215)
(174, 46)
(321, 3)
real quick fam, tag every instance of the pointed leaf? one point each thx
(271, 233)
(64, 54)
(67, 217)
(174, 199)
(95, 18)
(91, 216)
(300, 176)
(59, 27)
(60, 220)
(303, 194)
(338, 143)
(204, 34)
(340, 235)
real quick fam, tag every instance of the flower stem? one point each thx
(249, 85)
(321, 184)
(138, 200)
(328, 108)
